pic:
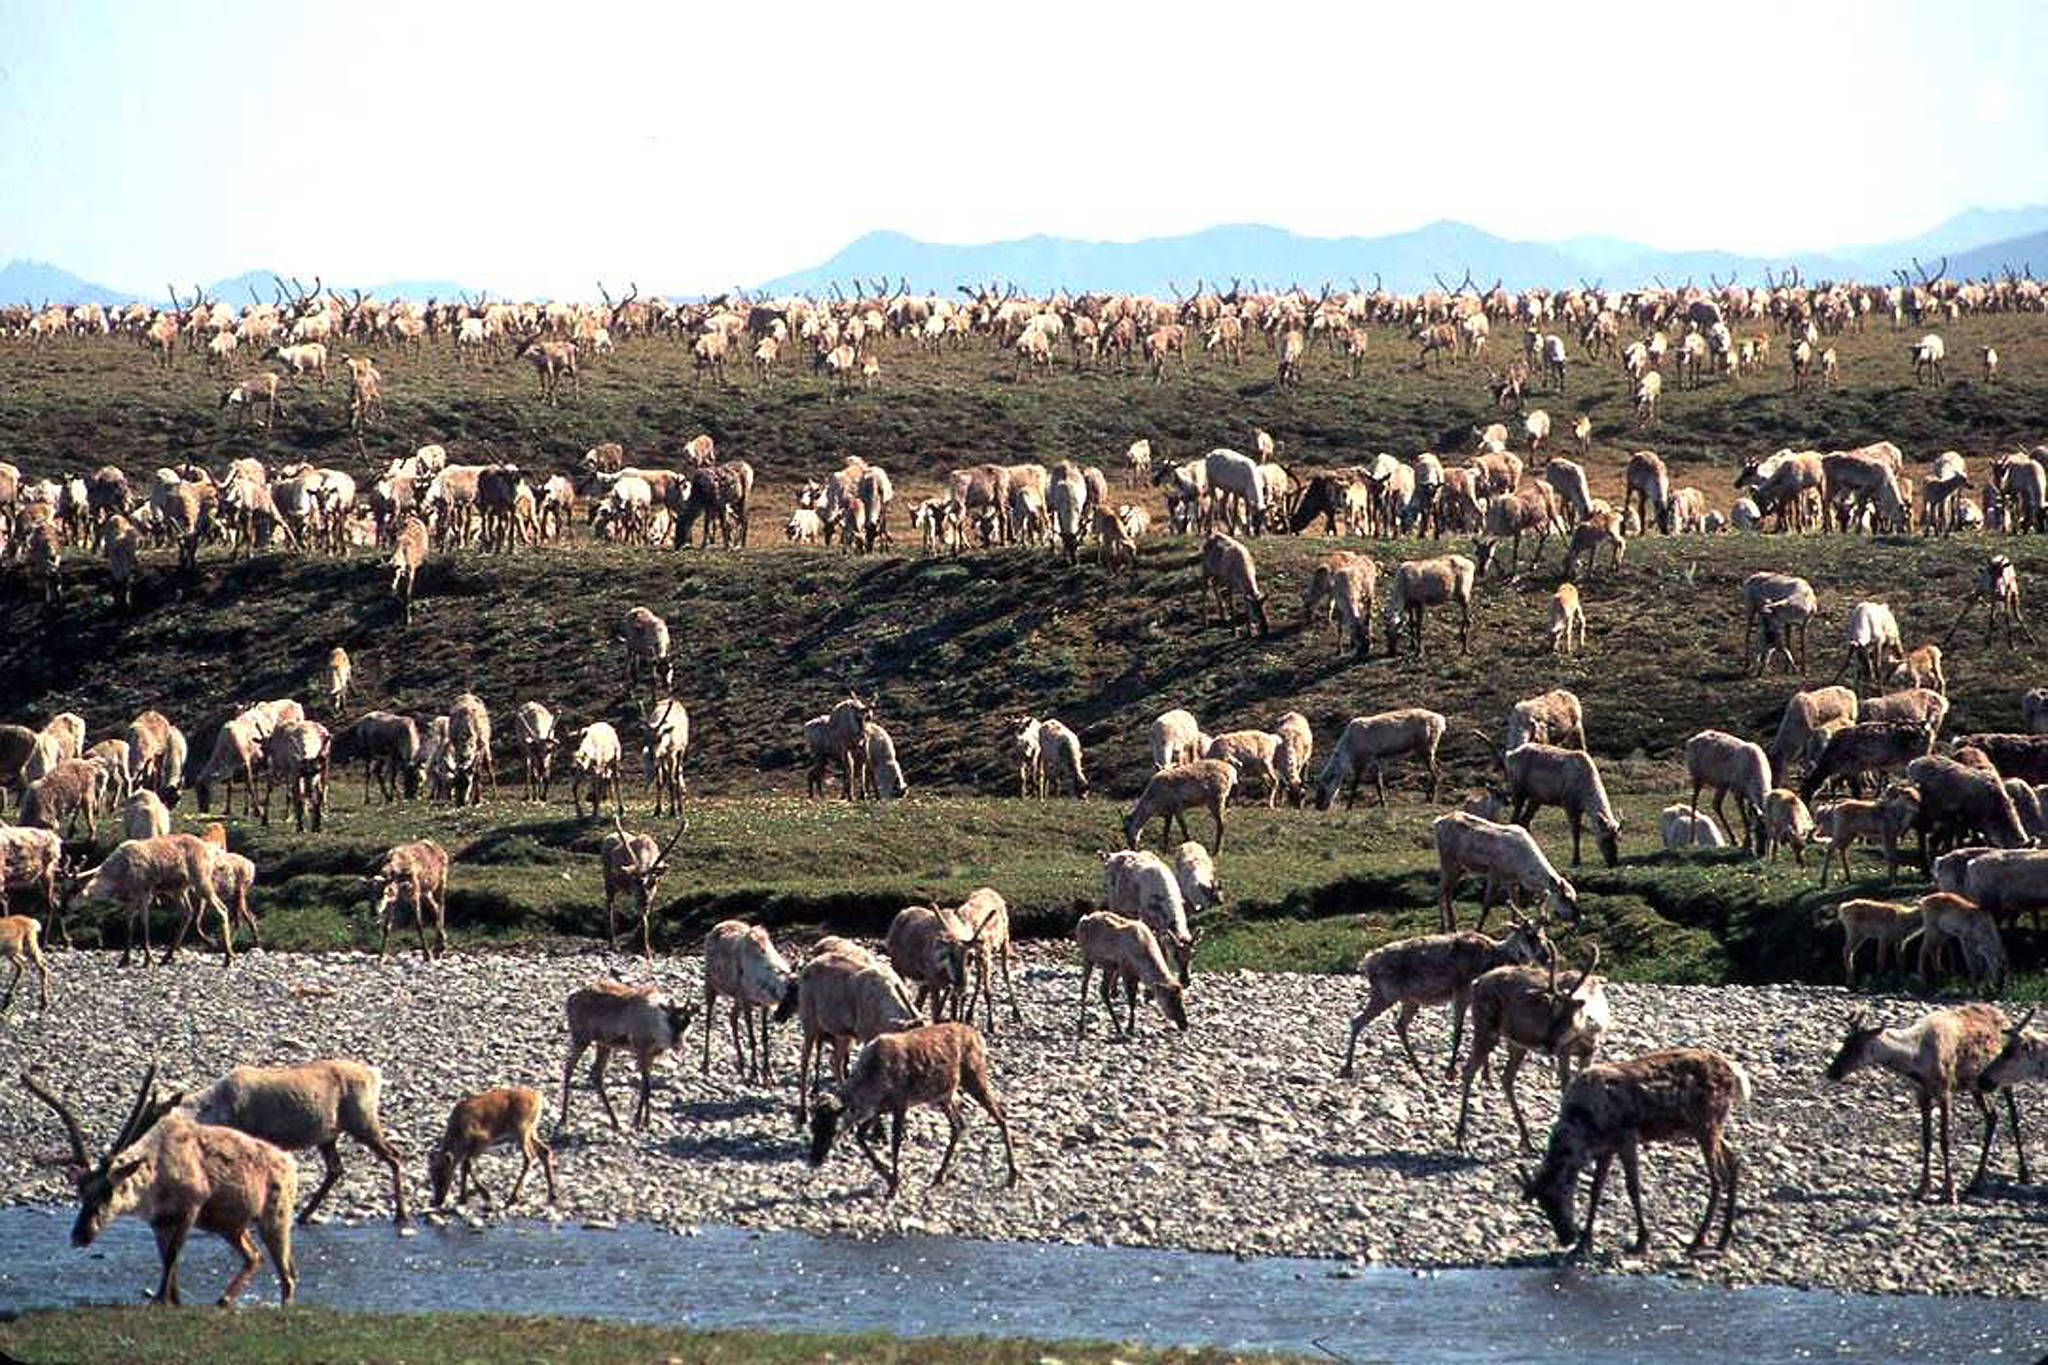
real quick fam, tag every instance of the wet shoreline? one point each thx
(1237, 1137)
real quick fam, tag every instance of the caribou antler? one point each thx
(1576, 985)
(676, 838)
(1565, 995)
(632, 293)
(143, 1116)
(64, 1116)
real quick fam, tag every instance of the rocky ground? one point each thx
(1236, 1137)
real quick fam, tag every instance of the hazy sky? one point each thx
(534, 148)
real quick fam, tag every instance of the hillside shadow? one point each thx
(1414, 1165)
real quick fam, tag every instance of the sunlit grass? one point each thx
(951, 650)
(116, 1336)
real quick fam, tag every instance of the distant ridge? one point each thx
(2022, 255)
(1245, 251)
(1964, 236)
(1402, 261)
(37, 282)
(1977, 242)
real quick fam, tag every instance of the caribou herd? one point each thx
(1973, 808)
(923, 1008)
(1698, 333)
(439, 499)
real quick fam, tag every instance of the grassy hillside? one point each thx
(950, 649)
(1304, 891)
(77, 404)
(195, 1334)
(953, 648)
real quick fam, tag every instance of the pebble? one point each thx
(1236, 1137)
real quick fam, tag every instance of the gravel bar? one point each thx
(1236, 1137)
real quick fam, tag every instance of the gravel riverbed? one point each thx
(1236, 1137)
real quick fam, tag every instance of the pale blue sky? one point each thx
(537, 147)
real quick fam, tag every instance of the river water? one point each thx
(727, 1277)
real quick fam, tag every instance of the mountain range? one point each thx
(1976, 242)
(32, 282)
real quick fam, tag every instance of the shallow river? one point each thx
(723, 1277)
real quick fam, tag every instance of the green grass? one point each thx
(79, 403)
(117, 1336)
(952, 649)
(1303, 891)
